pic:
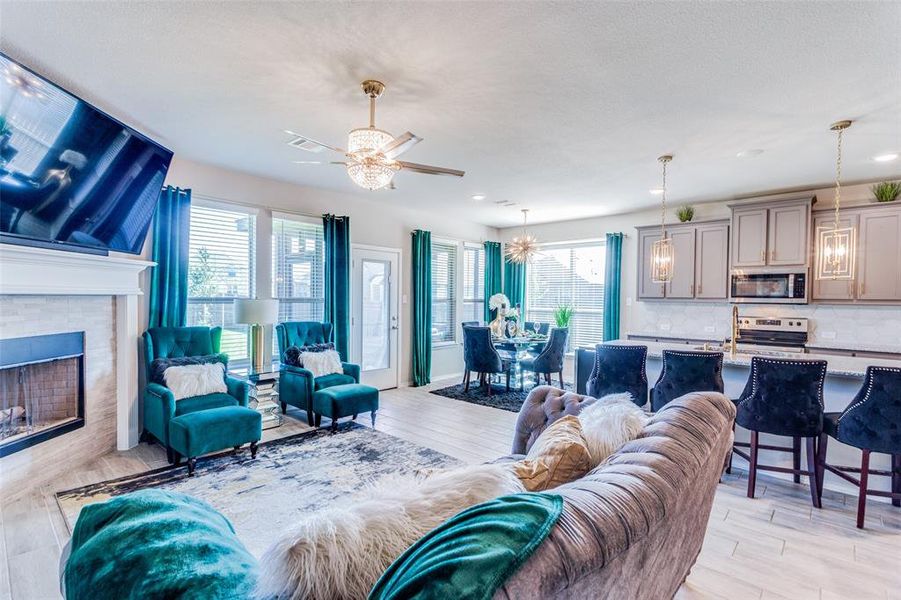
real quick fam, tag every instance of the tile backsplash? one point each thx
(831, 325)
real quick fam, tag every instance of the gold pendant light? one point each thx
(837, 245)
(662, 250)
(524, 248)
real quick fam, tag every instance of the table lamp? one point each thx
(256, 312)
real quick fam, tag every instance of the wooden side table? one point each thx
(263, 395)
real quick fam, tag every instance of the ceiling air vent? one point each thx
(305, 144)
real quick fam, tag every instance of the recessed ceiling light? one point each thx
(479, 196)
(749, 153)
(886, 157)
(656, 191)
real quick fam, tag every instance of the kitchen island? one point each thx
(844, 378)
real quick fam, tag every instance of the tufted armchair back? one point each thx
(684, 372)
(301, 333)
(543, 406)
(620, 368)
(479, 354)
(176, 342)
(783, 397)
(550, 360)
(873, 419)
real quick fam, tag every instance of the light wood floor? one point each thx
(773, 547)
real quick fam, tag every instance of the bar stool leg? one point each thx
(796, 458)
(896, 478)
(731, 453)
(752, 469)
(821, 463)
(862, 494)
(813, 479)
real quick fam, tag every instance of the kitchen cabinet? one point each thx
(647, 289)
(775, 234)
(701, 262)
(712, 262)
(877, 276)
(879, 255)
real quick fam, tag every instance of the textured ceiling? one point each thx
(561, 107)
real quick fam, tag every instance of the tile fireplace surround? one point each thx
(49, 291)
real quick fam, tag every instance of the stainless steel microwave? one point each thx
(769, 287)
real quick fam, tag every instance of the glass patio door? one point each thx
(375, 319)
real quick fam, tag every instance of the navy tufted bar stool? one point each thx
(872, 422)
(684, 372)
(783, 397)
(620, 368)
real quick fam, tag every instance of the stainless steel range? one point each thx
(772, 334)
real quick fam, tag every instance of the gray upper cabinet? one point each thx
(712, 261)
(683, 283)
(879, 255)
(701, 262)
(647, 289)
(749, 237)
(828, 289)
(775, 234)
(787, 241)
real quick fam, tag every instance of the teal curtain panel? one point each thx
(515, 282)
(613, 285)
(493, 267)
(336, 232)
(421, 288)
(169, 278)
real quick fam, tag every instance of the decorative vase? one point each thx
(498, 325)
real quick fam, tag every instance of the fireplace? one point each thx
(41, 389)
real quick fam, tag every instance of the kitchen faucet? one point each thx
(733, 342)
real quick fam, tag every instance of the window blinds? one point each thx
(298, 268)
(473, 283)
(444, 293)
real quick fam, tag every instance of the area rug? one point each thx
(500, 397)
(289, 477)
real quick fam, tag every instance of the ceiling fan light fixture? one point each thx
(367, 141)
(372, 173)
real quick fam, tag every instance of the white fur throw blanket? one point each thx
(340, 552)
(609, 423)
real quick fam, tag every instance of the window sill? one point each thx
(444, 344)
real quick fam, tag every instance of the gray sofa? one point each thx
(633, 527)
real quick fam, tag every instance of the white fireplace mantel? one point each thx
(41, 271)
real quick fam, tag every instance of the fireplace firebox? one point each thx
(41, 389)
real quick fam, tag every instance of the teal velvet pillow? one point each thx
(469, 556)
(156, 544)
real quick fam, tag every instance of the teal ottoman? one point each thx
(203, 431)
(345, 400)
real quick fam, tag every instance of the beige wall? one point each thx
(866, 324)
(375, 218)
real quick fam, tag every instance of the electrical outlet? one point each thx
(709, 329)
(403, 299)
(628, 300)
(827, 335)
(664, 327)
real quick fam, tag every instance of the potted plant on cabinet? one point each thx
(887, 191)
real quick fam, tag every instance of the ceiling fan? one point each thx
(371, 155)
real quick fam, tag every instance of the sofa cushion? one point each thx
(159, 365)
(207, 401)
(609, 423)
(196, 380)
(293, 353)
(156, 544)
(332, 380)
(558, 456)
(323, 363)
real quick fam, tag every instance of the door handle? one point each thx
(763, 256)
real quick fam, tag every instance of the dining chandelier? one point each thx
(523, 248)
(837, 245)
(662, 250)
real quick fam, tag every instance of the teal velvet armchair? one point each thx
(160, 406)
(296, 384)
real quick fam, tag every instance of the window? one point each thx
(221, 268)
(569, 274)
(473, 283)
(298, 268)
(444, 291)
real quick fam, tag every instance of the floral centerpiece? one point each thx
(499, 303)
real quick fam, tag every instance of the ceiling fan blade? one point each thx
(430, 170)
(318, 162)
(303, 142)
(401, 145)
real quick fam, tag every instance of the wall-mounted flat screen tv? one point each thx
(71, 175)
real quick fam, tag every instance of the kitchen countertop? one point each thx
(838, 366)
(821, 344)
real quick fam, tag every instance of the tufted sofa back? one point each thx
(301, 333)
(633, 527)
(543, 406)
(176, 342)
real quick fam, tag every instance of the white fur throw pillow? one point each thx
(609, 423)
(322, 363)
(340, 552)
(195, 380)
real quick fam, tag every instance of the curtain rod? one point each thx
(257, 206)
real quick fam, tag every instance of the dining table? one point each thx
(516, 348)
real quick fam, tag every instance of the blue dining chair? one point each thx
(480, 355)
(550, 359)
